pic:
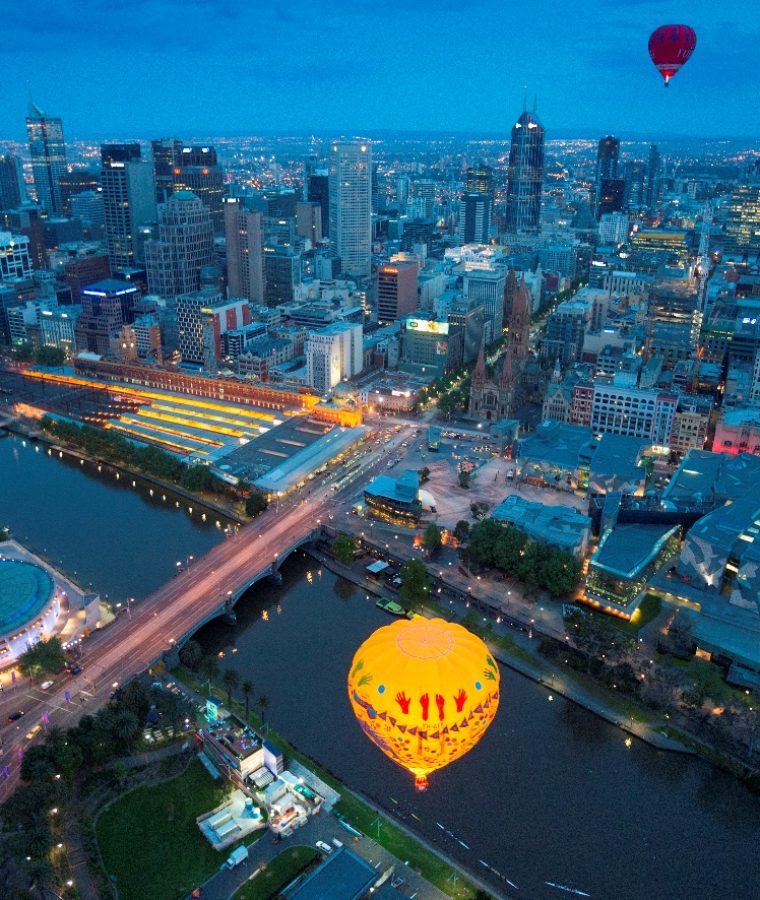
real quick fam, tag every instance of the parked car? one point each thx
(325, 848)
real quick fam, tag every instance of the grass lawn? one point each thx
(150, 842)
(279, 873)
(473, 622)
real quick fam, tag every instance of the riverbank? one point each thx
(227, 511)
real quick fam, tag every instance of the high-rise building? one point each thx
(11, 182)
(48, 151)
(525, 175)
(282, 273)
(166, 153)
(185, 245)
(309, 221)
(88, 207)
(635, 185)
(480, 180)
(350, 205)
(743, 219)
(424, 190)
(15, 261)
(76, 182)
(243, 230)
(627, 409)
(653, 176)
(332, 354)
(203, 318)
(485, 287)
(611, 196)
(103, 313)
(197, 170)
(129, 201)
(607, 153)
(474, 218)
(396, 290)
(318, 191)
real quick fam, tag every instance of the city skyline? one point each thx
(439, 70)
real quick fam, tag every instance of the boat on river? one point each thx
(390, 606)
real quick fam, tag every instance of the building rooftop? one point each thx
(341, 876)
(562, 526)
(704, 476)
(628, 548)
(558, 443)
(403, 489)
(615, 464)
(110, 286)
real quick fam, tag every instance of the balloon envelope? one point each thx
(670, 46)
(424, 691)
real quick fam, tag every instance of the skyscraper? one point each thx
(525, 175)
(183, 248)
(396, 290)
(11, 182)
(166, 153)
(48, 151)
(243, 230)
(653, 176)
(318, 191)
(480, 180)
(197, 170)
(607, 153)
(129, 201)
(350, 205)
(474, 218)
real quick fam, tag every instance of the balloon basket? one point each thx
(421, 783)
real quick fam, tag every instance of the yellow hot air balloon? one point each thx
(424, 691)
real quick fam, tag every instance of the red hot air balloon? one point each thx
(670, 46)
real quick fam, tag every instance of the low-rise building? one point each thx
(559, 526)
(395, 500)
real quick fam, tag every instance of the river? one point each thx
(551, 794)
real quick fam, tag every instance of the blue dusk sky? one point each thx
(214, 67)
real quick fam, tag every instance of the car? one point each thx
(337, 843)
(15, 716)
(75, 669)
(325, 848)
(32, 733)
(46, 685)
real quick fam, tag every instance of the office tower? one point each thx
(474, 218)
(197, 170)
(243, 231)
(480, 180)
(318, 191)
(653, 176)
(374, 188)
(607, 155)
(332, 354)
(525, 175)
(185, 245)
(396, 290)
(27, 220)
(103, 308)
(88, 207)
(48, 152)
(203, 317)
(350, 205)
(165, 153)
(129, 201)
(282, 274)
(76, 182)
(309, 221)
(78, 273)
(635, 185)
(424, 190)
(11, 182)
(486, 287)
(743, 218)
(611, 196)
(15, 261)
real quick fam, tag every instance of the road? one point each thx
(151, 627)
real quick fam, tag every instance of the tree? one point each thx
(484, 540)
(196, 478)
(44, 656)
(415, 584)
(344, 548)
(424, 474)
(263, 705)
(230, 679)
(23, 352)
(124, 727)
(52, 357)
(560, 573)
(464, 479)
(431, 539)
(191, 655)
(255, 504)
(247, 688)
(209, 668)
(462, 530)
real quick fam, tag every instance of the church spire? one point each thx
(557, 373)
(507, 373)
(479, 374)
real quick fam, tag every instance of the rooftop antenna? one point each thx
(525, 98)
